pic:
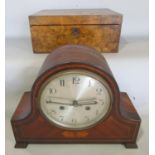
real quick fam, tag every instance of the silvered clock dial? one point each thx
(75, 99)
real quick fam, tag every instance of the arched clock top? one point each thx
(75, 54)
(73, 57)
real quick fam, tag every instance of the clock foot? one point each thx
(21, 145)
(131, 145)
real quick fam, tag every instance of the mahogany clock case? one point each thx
(30, 126)
(96, 28)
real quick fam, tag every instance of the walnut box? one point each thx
(97, 28)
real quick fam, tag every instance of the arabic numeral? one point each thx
(74, 121)
(52, 90)
(76, 80)
(62, 83)
(99, 91)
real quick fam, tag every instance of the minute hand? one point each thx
(60, 103)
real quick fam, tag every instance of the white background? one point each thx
(130, 66)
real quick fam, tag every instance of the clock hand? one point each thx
(69, 99)
(75, 103)
(49, 102)
(87, 103)
(86, 99)
(58, 100)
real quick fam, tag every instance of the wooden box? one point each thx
(97, 28)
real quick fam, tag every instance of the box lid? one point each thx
(75, 17)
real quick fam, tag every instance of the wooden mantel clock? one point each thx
(75, 99)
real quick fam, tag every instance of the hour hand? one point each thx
(87, 99)
(87, 102)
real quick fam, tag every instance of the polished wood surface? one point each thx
(73, 54)
(101, 37)
(120, 126)
(75, 17)
(115, 129)
(99, 29)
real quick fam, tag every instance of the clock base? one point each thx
(120, 127)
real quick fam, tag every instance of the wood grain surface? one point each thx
(101, 37)
(75, 17)
(99, 29)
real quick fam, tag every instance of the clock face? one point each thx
(75, 99)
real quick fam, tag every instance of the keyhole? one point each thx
(75, 31)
